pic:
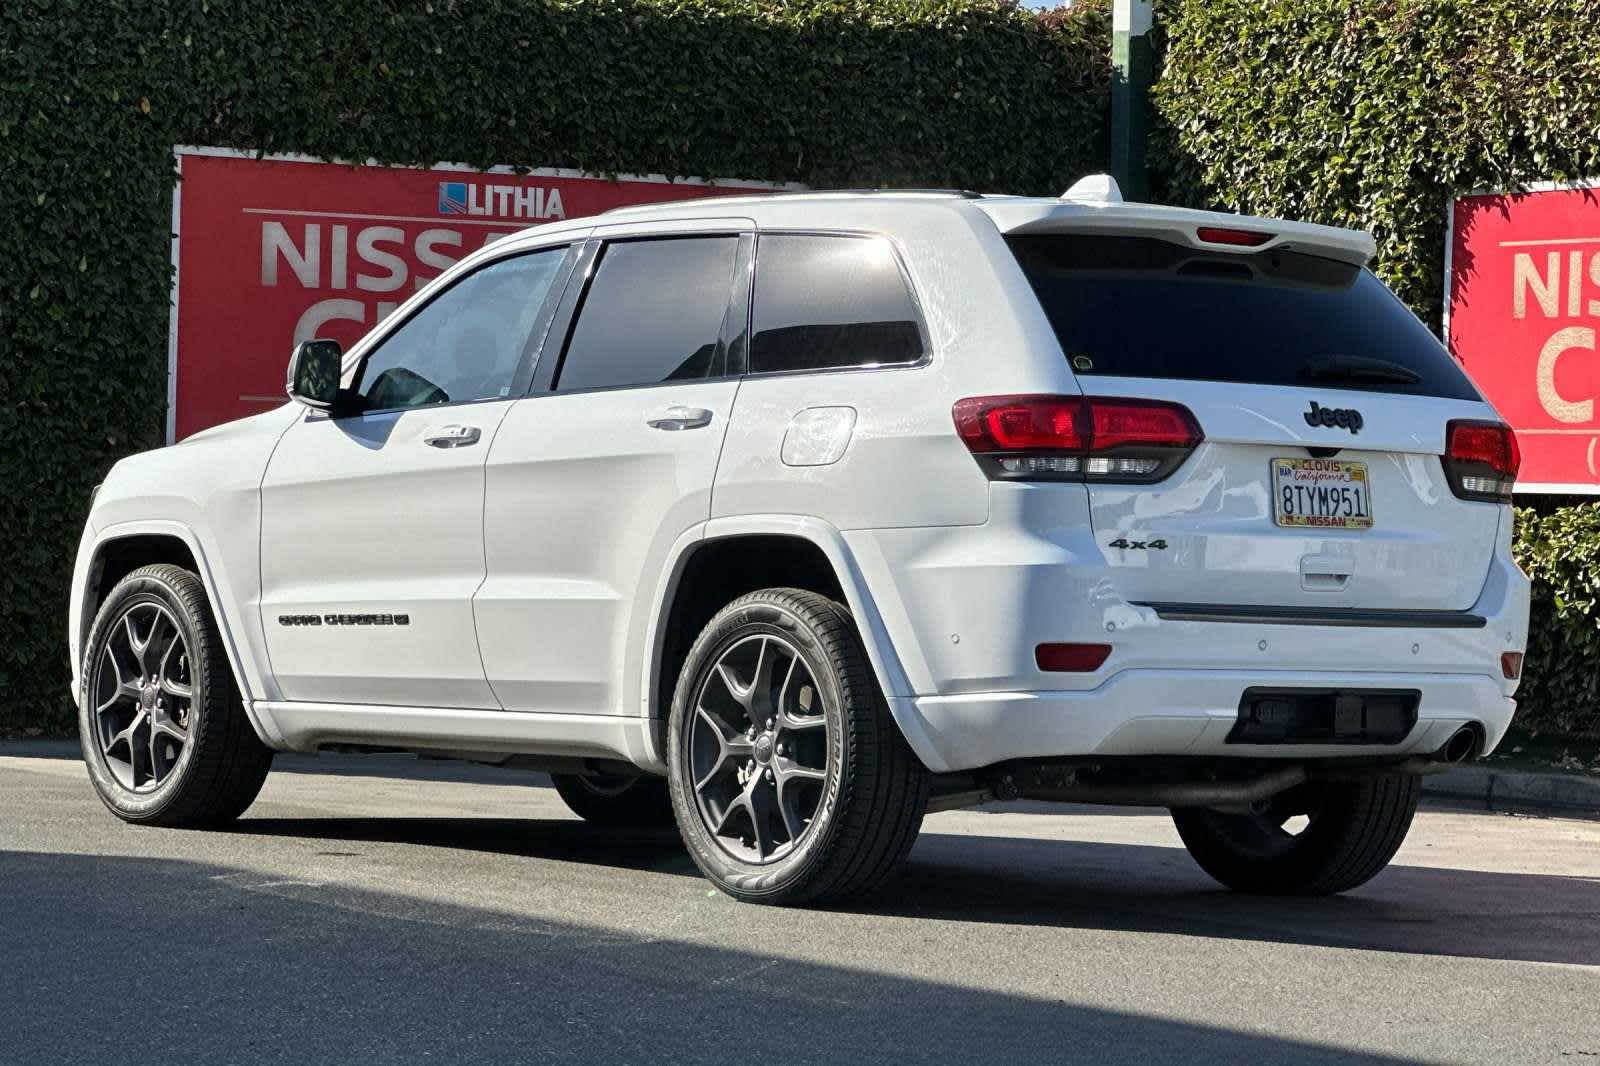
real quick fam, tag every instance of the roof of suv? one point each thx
(1094, 204)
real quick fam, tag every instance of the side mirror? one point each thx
(314, 371)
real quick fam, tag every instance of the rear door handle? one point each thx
(453, 436)
(675, 418)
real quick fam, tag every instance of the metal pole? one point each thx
(1132, 69)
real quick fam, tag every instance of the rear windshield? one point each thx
(1141, 307)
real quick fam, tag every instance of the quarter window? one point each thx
(466, 343)
(653, 313)
(826, 302)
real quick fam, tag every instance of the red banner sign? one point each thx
(276, 250)
(1523, 306)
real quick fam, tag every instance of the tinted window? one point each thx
(1140, 307)
(467, 343)
(653, 313)
(826, 302)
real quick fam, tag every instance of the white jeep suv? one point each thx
(794, 517)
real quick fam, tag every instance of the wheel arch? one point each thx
(767, 550)
(120, 549)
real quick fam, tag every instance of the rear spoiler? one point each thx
(1180, 225)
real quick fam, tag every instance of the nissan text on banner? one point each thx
(271, 250)
(1522, 310)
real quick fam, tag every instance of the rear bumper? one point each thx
(965, 607)
(1175, 712)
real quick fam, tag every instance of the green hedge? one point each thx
(94, 94)
(1560, 551)
(1372, 113)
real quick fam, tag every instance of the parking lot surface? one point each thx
(382, 909)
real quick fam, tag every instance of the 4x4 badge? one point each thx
(1348, 417)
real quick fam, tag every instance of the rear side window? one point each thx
(1140, 307)
(653, 313)
(826, 302)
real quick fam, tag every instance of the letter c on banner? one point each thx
(1557, 406)
(324, 311)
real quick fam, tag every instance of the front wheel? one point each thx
(790, 780)
(1314, 840)
(163, 729)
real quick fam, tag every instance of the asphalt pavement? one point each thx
(381, 909)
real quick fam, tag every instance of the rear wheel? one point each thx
(616, 799)
(162, 726)
(789, 778)
(1314, 840)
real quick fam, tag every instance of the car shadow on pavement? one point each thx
(1088, 885)
(167, 959)
(1141, 888)
(558, 840)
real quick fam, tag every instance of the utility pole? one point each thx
(1132, 70)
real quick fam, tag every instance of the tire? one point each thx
(1354, 829)
(844, 793)
(151, 777)
(603, 799)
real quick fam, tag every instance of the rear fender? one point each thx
(875, 636)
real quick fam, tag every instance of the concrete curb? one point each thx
(1517, 789)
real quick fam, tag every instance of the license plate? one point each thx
(1321, 493)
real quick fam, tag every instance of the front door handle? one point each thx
(453, 436)
(675, 418)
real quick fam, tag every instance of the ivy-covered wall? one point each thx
(94, 94)
(1559, 548)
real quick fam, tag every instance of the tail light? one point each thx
(1511, 665)
(1076, 438)
(1481, 460)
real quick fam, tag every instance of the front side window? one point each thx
(828, 302)
(654, 312)
(468, 342)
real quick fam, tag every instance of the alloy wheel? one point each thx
(143, 694)
(758, 749)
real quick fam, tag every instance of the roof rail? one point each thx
(964, 194)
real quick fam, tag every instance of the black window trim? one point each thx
(905, 276)
(559, 331)
(738, 322)
(547, 374)
(531, 348)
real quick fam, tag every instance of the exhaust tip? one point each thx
(1461, 746)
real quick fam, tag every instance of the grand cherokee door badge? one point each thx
(344, 619)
